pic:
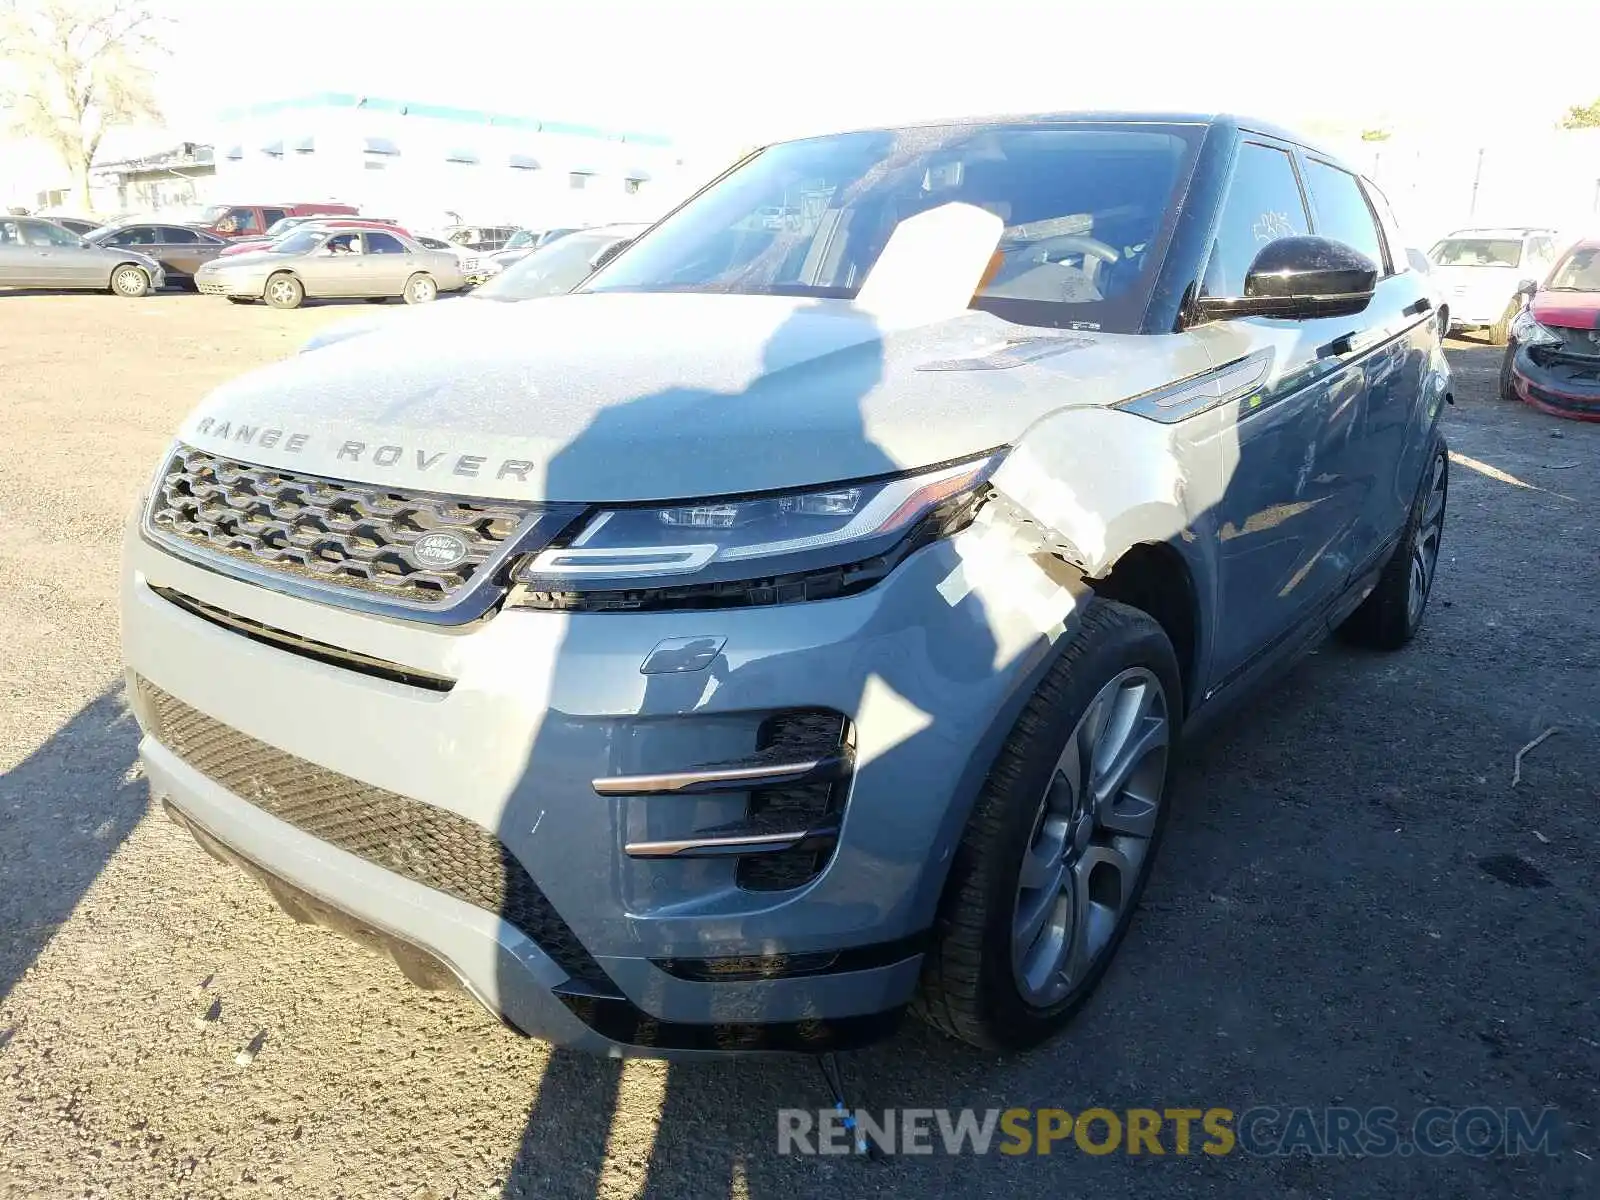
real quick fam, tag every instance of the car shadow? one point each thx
(64, 811)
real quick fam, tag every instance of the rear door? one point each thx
(1292, 496)
(388, 264)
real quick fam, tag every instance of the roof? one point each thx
(1500, 231)
(1120, 117)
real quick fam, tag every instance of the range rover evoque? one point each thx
(795, 625)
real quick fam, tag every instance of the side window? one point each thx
(10, 233)
(1263, 205)
(383, 243)
(270, 215)
(1342, 211)
(1400, 255)
(39, 233)
(133, 235)
(173, 235)
(240, 220)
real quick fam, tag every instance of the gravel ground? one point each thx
(1354, 905)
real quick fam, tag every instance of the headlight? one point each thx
(1529, 332)
(767, 549)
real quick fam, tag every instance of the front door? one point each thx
(389, 264)
(1293, 495)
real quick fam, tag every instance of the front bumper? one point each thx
(525, 709)
(229, 284)
(1563, 387)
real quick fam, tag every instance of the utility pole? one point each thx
(1477, 178)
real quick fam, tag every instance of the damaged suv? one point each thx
(796, 624)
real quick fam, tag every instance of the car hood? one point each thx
(632, 397)
(1568, 310)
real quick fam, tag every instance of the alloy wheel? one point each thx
(1091, 838)
(131, 281)
(282, 291)
(1425, 546)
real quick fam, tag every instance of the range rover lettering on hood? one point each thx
(388, 454)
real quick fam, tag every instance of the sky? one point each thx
(744, 71)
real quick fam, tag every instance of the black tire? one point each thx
(1507, 391)
(1387, 618)
(283, 290)
(240, 300)
(130, 280)
(969, 986)
(420, 289)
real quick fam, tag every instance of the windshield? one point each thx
(297, 243)
(521, 239)
(1087, 212)
(551, 270)
(213, 213)
(1478, 252)
(283, 225)
(1578, 272)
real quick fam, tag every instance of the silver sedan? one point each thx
(39, 253)
(345, 263)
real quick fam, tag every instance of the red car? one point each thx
(279, 228)
(252, 220)
(1553, 354)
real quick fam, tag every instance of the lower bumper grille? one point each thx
(429, 845)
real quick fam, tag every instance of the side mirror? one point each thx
(1297, 278)
(1527, 288)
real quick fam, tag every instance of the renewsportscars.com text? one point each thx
(1261, 1131)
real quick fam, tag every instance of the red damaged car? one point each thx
(1553, 355)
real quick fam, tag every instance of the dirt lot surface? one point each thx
(1354, 906)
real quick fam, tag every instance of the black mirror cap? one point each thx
(1296, 278)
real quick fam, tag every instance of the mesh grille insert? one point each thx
(429, 845)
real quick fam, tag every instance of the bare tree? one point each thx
(73, 69)
(1582, 116)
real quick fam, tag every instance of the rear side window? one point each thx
(272, 215)
(1264, 204)
(240, 220)
(383, 243)
(133, 235)
(173, 236)
(1342, 211)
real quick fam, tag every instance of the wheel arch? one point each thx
(1156, 578)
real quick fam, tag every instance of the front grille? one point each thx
(350, 537)
(1577, 343)
(432, 846)
(210, 287)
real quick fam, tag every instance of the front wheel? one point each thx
(284, 291)
(1059, 846)
(130, 281)
(1391, 615)
(420, 289)
(1508, 391)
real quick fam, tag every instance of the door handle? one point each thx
(1417, 307)
(1341, 346)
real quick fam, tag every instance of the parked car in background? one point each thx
(179, 248)
(560, 264)
(79, 225)
(288, 224)
(1552, 358)
(373, 264)
(1478, 271)
(552, 270)
(794, 624)
(479, 238)
(253, 220)
(518, 246)
(39, 253)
